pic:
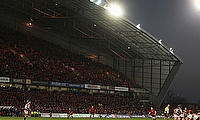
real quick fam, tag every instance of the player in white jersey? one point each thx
(177, 113)
(27, 108)
(185, 113)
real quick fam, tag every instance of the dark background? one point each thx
(177, 23)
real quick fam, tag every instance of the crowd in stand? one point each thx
(30, 57)
(59, 101)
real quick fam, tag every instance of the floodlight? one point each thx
(138, 26)
(115, 10)
(171, 50)
(105, 6)
(98, 2)
(160, 41)
(197, 3)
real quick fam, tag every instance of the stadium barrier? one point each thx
(64, 115)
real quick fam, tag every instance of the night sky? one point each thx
(177, 23)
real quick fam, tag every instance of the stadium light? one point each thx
(138, 26)
(114, 10)
(197, 3)
(171, 50)
(160, 41)
(98, 2)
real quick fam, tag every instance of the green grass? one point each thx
(39, 118)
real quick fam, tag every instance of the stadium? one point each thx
(62, 54)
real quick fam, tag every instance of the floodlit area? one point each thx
(113, 8)
(197, 3)
(98, 2)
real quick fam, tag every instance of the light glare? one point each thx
(197, 3)
(138, 26)
(115, 10)
(98, 2)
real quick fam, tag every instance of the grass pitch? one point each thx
(40, 118)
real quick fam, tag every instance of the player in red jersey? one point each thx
(152, 112)
(70, 113)
(91, 112)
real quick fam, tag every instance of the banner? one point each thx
(90, 86)
(121, 88)
(76, 115)
(115, 116)
(58, 84)
(138, 90)
(4, 79)
(45, 114)
(84, 115)
(105, 87)
(147, 101)
(14, 80)
(64, 115)
(75, 85)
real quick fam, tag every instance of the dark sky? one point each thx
(177, 23)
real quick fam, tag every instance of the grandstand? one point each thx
(78, 46)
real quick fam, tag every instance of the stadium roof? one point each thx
(91, 25)
(86, 24)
